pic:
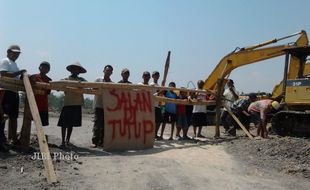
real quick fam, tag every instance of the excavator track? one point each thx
(291, 123)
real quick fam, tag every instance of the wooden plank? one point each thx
(184, 101)
(103, 85)
(47, 161)
(89, 87)
(167, 64)
(74, 87)
(239, 123)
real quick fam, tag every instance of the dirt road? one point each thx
(173, 164)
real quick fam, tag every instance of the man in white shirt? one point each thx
(158, 114)
(9, 99)
(98, 128)
(230, 95)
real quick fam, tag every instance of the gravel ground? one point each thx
(289, 155)
(276, 163)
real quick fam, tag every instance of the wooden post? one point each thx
(218, 103)
(166, 69)
(47, 160)
(239, 123)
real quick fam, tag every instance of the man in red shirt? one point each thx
(41, 97)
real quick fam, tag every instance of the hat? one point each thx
(45, 63)
(275, 105)
(76, 64)
(14, 48)
(125, 71)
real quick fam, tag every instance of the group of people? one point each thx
(71, 113)
(248, 110)
(177, 115)
(181, 116)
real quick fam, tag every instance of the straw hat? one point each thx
(76, 64)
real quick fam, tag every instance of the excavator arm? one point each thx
(252, 54)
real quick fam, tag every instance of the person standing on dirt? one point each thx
(98, 128)
(259, 110)
(199, 117)
(41, 97)
(231, 96)
(158, 114)
(182, 124)
(240, 109)
(125, 76)
(170, 111)
(9, 99)
(71, 113)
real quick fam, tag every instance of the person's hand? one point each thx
(21, 72)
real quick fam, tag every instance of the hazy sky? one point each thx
(137, 34)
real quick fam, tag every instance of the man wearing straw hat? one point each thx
(9, 100)
(71, 113)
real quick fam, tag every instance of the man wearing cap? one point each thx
(98, 128)
(259, 111)
(41, 97)
(9, 99)
(240, 109)
(125, 76)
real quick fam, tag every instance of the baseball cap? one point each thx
(14, 48)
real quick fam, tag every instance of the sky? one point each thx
(137, 34)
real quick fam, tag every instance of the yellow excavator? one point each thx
(295, 69)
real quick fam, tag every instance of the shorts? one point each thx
(255, 117)
(158, 115)
(70, 116)
(245, 120)
(44, 117)
(10, 103)
(182, 121)
(170, 117)
(199, 119)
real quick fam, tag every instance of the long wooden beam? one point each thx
(47, 160)
(95, 88)
(239, 123)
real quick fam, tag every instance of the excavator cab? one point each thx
(297, 91)
(295, 119)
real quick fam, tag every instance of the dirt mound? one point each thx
(288, 155)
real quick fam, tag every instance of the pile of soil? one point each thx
(289, 155)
